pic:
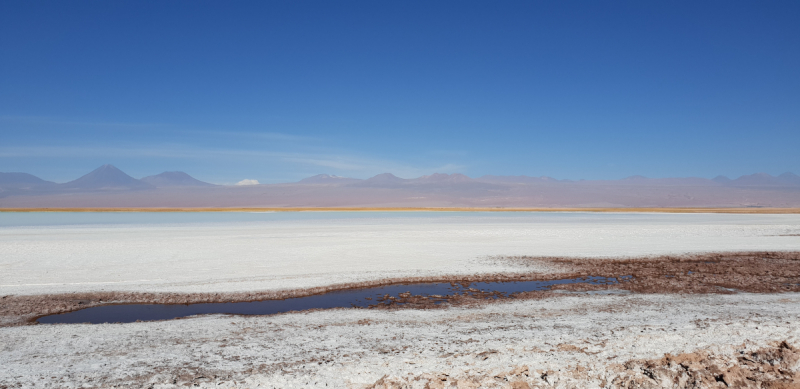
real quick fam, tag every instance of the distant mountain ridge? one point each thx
(168, 179)
(518, 179)
(790, 177)
(384, 179)
(107, 177)
(109, 186)
(761, 179)
(444, 178)
(327, 179)
(22, 180)
(110, 177)
(21, 183)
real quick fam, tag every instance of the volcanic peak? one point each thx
(107, 177)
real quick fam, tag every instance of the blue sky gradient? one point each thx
(280, 90)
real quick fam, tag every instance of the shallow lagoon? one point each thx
(34, 219)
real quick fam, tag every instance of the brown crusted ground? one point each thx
(769, 367)
(755, 272)
(773, 367)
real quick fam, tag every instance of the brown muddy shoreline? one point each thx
(752, 272)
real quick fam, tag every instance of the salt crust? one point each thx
(293, 254)
(354, 348)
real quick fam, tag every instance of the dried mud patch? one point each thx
(769, 367)
(754, 272)
(776, 366)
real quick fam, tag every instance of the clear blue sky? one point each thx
(280, 90)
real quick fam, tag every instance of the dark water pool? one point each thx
(359, 298)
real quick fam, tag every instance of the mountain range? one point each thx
(110, 187)
(106, 178)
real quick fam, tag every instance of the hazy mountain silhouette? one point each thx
(790, 178)
(455, 178)
(760, 179)
(517, 179)
(107, 186)
(168, 179)
(328, 179)
(106, 177)
(384, 180)
(23, 181)
(721, 179)
(642, 181)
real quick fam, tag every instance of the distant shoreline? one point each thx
(415, 209)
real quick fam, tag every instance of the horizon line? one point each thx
(635, 176)
(683, 210)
